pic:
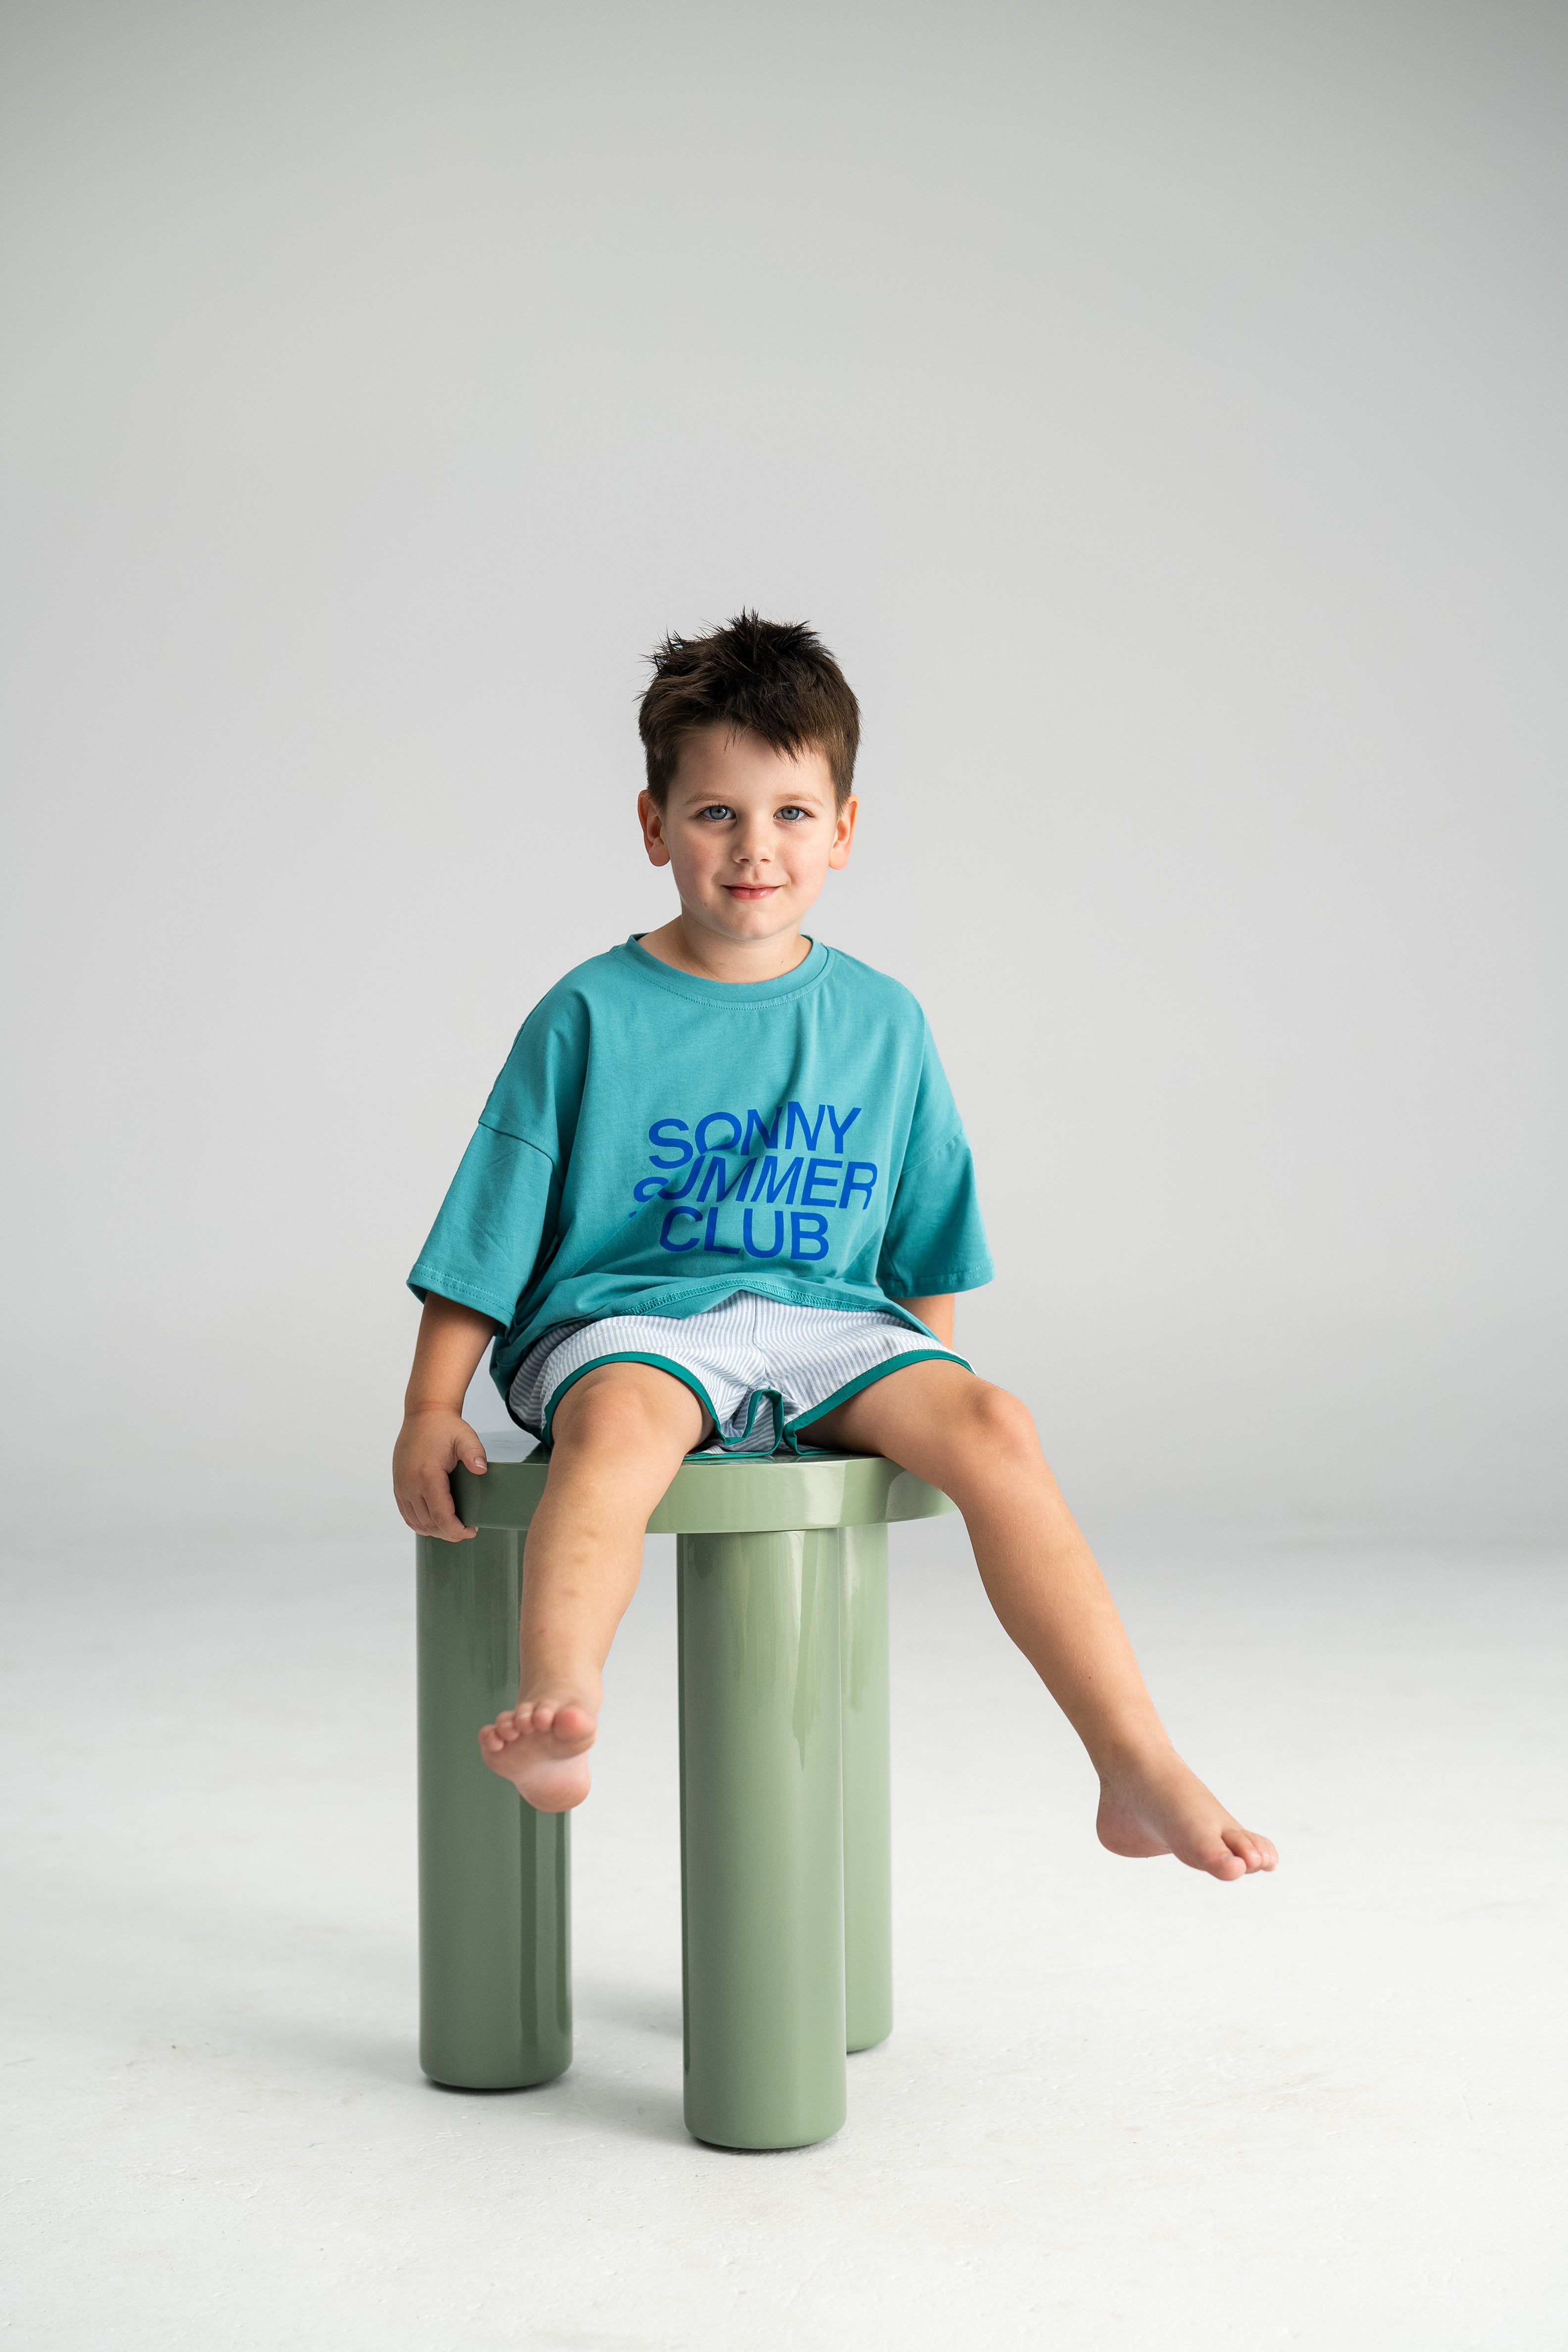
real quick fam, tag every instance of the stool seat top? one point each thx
(716, 1494)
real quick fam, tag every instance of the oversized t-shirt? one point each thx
(657, 1142)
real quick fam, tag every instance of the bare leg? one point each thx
(618, 1438)
(978, 1444)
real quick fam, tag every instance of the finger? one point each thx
(414, 1504)
(443, 1520)
(410, 1502)
(446, 1508)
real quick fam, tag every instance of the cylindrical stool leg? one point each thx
(495, 1968)
(867, 1790)
(761, 1838)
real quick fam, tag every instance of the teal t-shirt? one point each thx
(657, 1142)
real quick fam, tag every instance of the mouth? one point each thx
(746, 891)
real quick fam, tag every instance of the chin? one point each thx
(766, 915)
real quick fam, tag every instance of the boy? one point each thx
(719, 1198)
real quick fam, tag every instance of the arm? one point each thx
(936, 1314)
(435, 1437)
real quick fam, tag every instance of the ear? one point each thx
(844, 832)
(651, 818)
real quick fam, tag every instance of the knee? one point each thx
(1001, 1427)
(603, 1415)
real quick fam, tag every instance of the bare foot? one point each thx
(540, 1747)
(1152, 1803)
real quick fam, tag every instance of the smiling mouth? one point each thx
(751, 889)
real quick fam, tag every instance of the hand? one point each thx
(430, 1445)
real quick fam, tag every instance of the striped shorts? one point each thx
(760, 1370)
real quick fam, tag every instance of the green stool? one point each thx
(782, 1567)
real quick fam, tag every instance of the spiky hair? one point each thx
(775, 677)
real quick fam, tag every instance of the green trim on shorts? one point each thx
(678, 1371)
(788, 1438)
(865, 1379)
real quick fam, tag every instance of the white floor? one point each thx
(1125, 2106)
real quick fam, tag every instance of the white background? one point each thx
(1158, 409)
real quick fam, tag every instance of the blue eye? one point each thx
(794, 812)
(718, 810)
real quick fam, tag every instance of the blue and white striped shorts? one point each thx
(760, 1369)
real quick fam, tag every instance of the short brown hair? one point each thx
(775, 677)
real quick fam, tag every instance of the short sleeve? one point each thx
(492, 1228)
(935, 1239)
(497, 1224)
(539, 1093)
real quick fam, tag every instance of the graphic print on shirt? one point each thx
(654, 1143)
(756, 1186)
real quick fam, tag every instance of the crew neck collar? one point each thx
(728, 992)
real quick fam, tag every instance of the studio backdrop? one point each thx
(1159, 411)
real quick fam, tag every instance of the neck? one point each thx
(708, 955)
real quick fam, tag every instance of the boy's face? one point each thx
(748, 833)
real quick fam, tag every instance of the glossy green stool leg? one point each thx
(495, 1970)
(867, 1790)
(762, 1818)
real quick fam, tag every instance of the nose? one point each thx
(752, 845)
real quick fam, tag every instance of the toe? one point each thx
(1255, 1851)
(1217, 1859)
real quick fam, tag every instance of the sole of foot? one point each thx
(1162, 1807)
(540, 1747)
